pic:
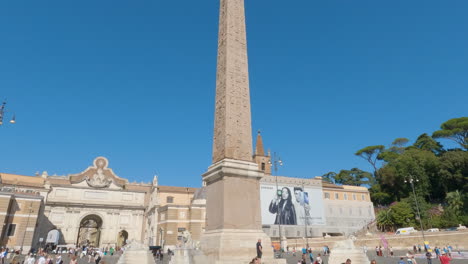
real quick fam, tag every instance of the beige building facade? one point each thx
(94, 207)
(98, 208)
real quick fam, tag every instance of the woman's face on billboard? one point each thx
(284, 194)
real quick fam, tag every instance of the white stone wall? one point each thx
(87, 195)
(118, 209)
(345, 216)
(151, 220)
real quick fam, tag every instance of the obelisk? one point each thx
(233, 219)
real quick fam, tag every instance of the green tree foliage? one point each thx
(440, 177)
(329, 177)
(378, 196)
(425, 142)
(371, 154)
(354, 176)
(384, 220)
(402, 214)
(455, 202)
(455, 129)
(418, 164)
(454, 171)
(398, 145)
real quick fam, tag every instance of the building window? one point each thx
(363, 197)
(354, 197)
(169, 199)
(336, 196)
(263, 166)
(327, 195)
(346, 196)
(182, 215)
(11, 230)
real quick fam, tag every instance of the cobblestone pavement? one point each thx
(293, 259)
(382, 260)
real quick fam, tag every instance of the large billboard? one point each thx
(291, 205)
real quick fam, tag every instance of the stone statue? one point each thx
(187, 238)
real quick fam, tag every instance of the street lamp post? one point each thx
(411, 181)
(277, 162)
(2, 114)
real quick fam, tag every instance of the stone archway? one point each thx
(89, 233)
(122, 238)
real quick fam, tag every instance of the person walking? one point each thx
(409, 257)
(319, 259)
(311, 256)
(73, 260)
(373, 261)
(58, 260)
(49, 259)
(444, 259)
(97, 257)
(2, 256)
(30, 259)
(259, 249)
(429, 257)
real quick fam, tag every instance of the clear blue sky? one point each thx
(134, 81)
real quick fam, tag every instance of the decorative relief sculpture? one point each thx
(99, 179)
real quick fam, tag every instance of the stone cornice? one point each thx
(232, 168)
(85, 205)
(292, 181)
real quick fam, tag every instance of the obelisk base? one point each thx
(233, 246)
(234, 223)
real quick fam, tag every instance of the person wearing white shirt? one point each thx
(41, 259)
(30, 259)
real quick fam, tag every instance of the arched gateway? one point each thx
(89, 232)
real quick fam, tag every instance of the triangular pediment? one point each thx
(98, 175)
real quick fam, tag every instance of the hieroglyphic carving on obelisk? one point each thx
(232, 129)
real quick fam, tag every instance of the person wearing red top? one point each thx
(444, 259)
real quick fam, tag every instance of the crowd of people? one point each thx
(50, 255)
(444, 254)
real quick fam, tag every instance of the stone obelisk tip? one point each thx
(232, 129)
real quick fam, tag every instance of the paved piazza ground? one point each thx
(293, 259)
